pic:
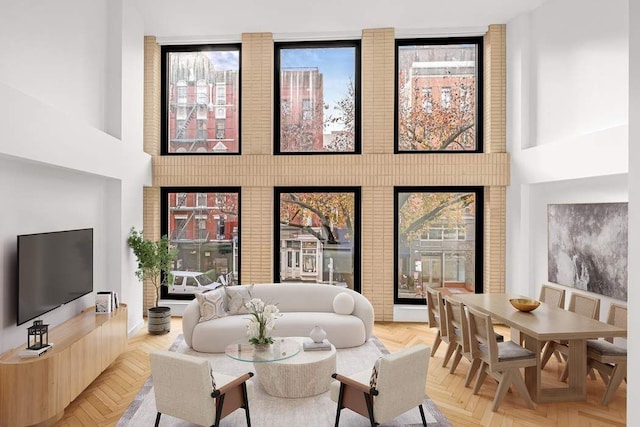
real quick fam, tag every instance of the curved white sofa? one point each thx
(302, 306)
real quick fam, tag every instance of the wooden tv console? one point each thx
(35, 391)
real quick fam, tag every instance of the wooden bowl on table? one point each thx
(524, 304)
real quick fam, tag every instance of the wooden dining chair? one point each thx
(607, 358)
(584, 305)
(458, 332)
(502, 360)
(435, 313)
(553, 296)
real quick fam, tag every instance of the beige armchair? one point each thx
(186, 387)
(395, 385)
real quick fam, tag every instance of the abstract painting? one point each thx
(588, 247)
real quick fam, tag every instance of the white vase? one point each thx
(317, 334)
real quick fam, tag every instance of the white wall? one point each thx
(30, 206)
(56, 52)
(71, 153)
(579, 53)
(201, 20)
(564, 148)
(633, 348)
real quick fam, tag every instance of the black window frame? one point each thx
(165, 50)
(278, 46)
(164, 225)
(479, 110)
(357, 239)
(479, 241)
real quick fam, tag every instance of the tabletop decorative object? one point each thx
(261, 323)
(317, 334)
(524, 304)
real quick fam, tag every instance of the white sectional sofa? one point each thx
(302, 306)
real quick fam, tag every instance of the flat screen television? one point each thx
(53, 269)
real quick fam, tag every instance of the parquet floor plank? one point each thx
(106, 399)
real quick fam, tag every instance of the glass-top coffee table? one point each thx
(283, 375)
(282, 348)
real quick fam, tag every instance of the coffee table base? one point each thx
(307, 374)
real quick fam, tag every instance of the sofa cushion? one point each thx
(211, 305)
(238, 297)
(343, 303)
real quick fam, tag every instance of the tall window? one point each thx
(317, 86)
(318, 235)
(200, 93)
(438, 240)
(439, 95)
(206, 233)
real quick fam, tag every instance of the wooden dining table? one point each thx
(547, 323)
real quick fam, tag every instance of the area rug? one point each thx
(269, 411)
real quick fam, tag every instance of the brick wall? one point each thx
(377, 170)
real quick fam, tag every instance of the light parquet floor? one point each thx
(106, 399)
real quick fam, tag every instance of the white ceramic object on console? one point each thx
(317, 334)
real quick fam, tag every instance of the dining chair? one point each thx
(502, 361)
(584, 305)
(553, 296)
(435, 313)
(458, 332)
(186, 387)
(607, 358)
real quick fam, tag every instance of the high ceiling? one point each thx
(219, 19)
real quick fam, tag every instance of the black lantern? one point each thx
(38, 335)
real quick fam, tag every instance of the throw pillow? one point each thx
(343, 303)
(211, 305)
(238, 296)
(373, 381)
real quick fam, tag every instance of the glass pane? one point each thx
(437, 97)
(430, 251)
(202, 96)
(317, 99)
(203, 226)
(317, 237)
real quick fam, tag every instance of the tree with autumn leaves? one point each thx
(320, 214)
(417, 212)
(344, 115)
(437, 118)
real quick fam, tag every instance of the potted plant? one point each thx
(155, 259)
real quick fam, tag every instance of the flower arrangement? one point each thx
(261, 322)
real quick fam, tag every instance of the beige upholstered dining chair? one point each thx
(395, 385)
(552, 296)
(458, 331)
(584, 305)
(435, 315)
(186, 387)
(607, 358)
(502, 360)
